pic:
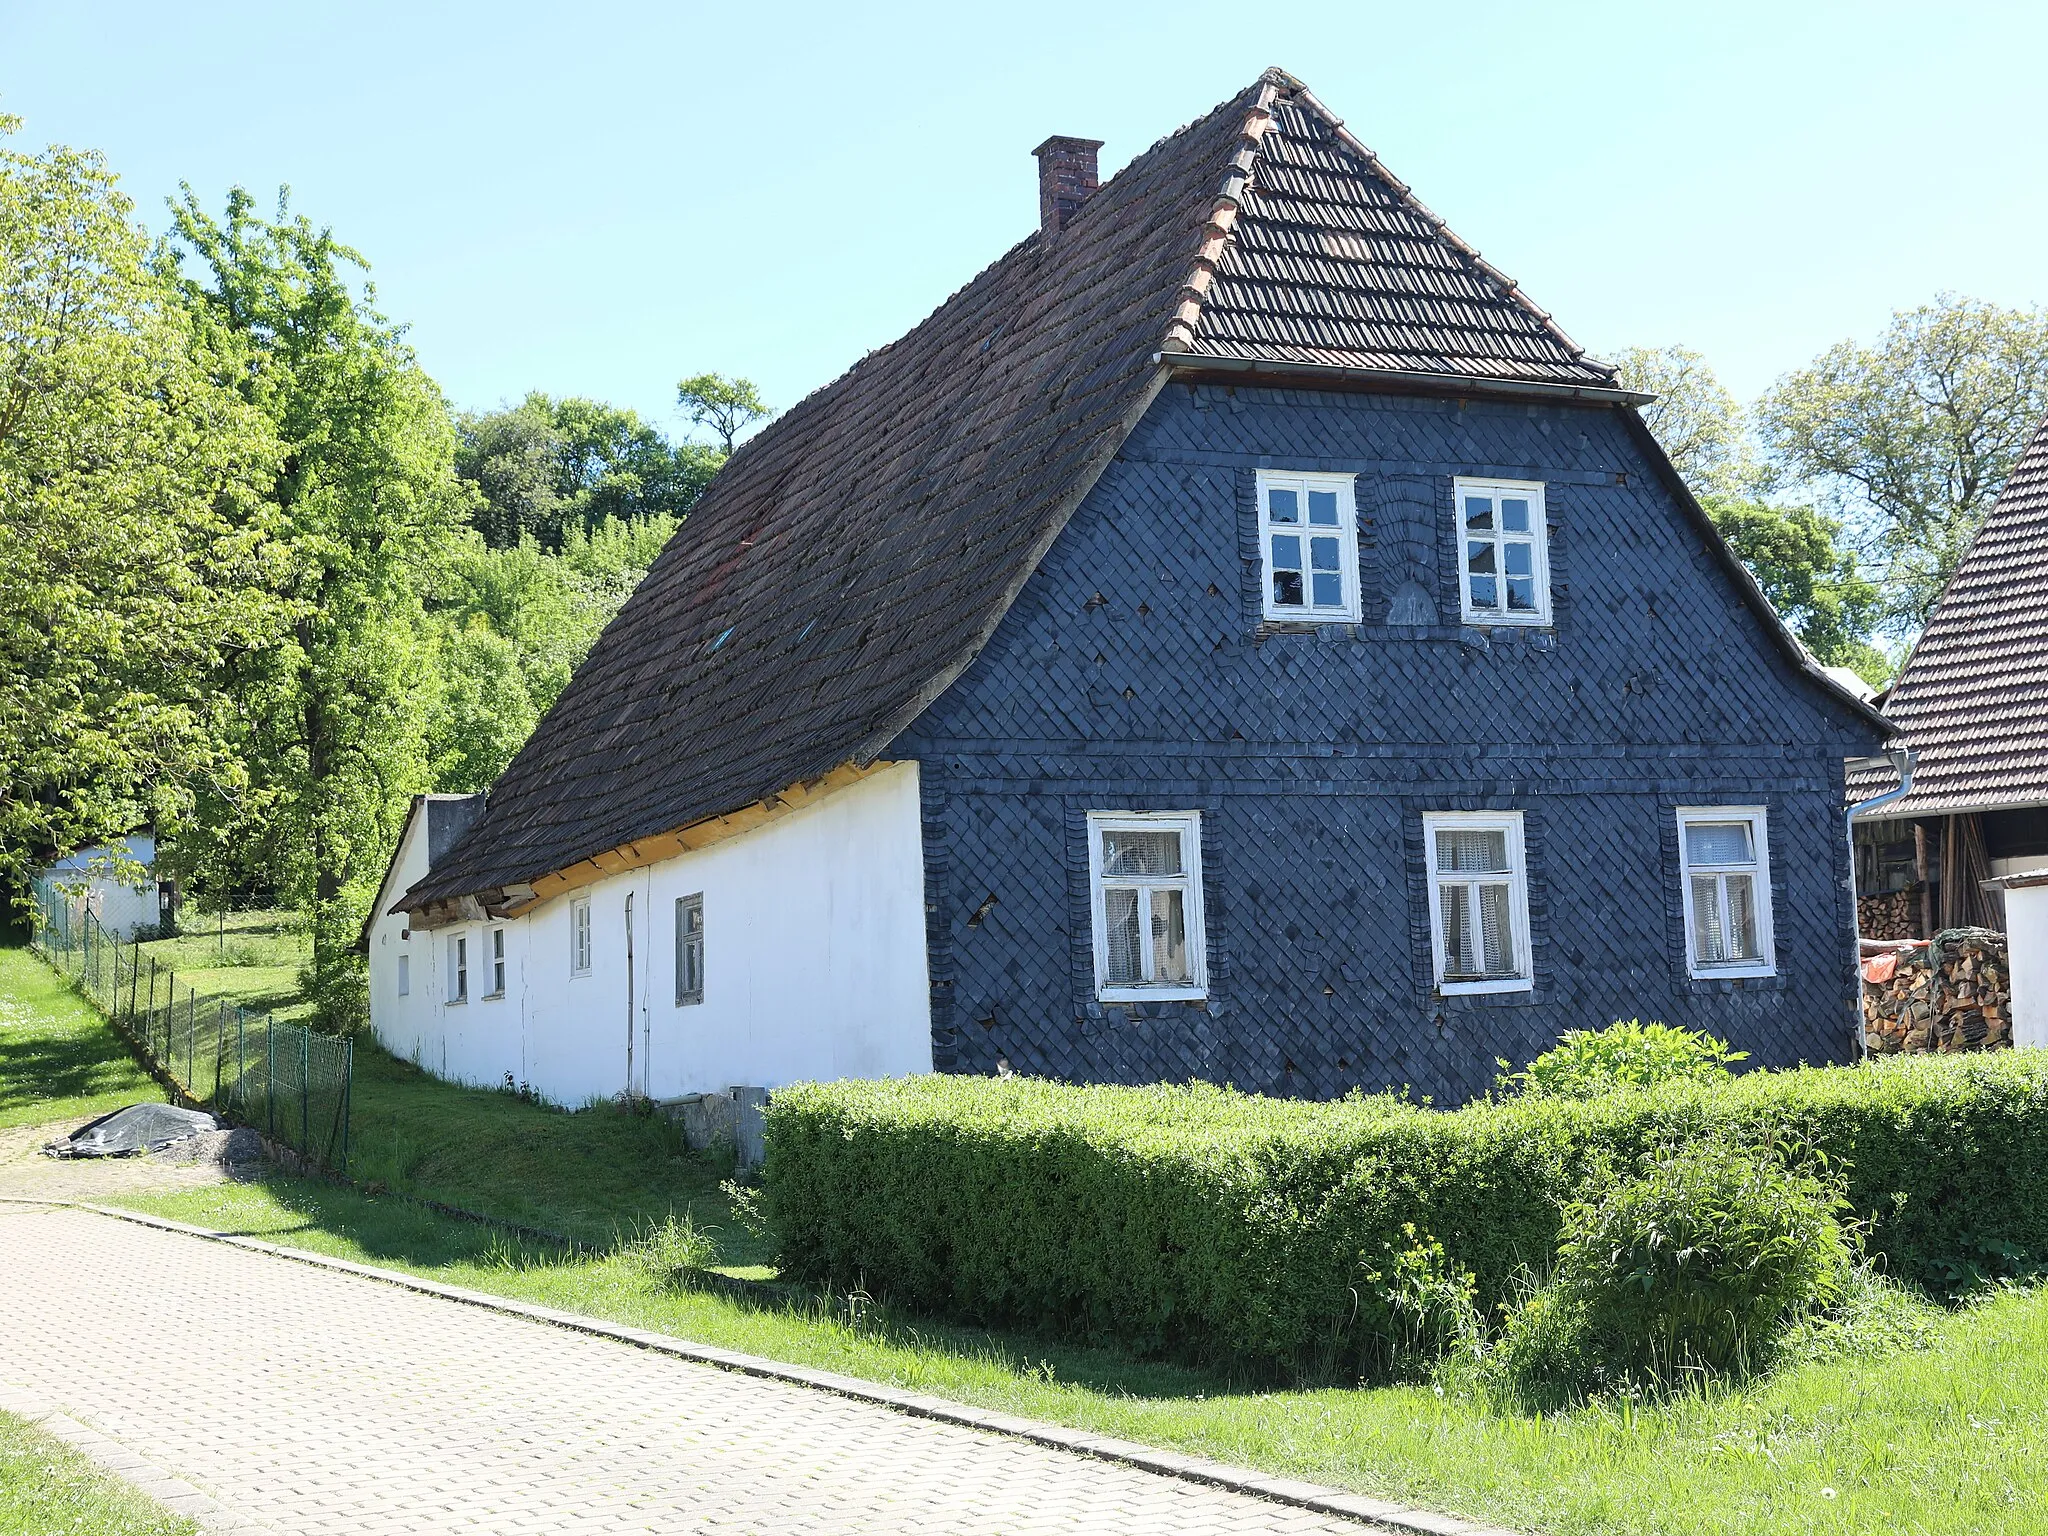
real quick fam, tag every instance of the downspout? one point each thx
(1902, 761)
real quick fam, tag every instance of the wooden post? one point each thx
(1920, 874)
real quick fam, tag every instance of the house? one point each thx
(1239, 635)
(115, 881)
(1972, 701)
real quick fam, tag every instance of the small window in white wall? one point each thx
(405, 975)
(690, 949)
(497, 963)
(1146, 873)
(579, 936)
(1725, 868)
(1478, 900)
(458, 968)
(1308, 536)
(1504, 560)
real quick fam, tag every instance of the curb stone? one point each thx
(1382, 1514)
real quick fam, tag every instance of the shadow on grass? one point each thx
(400, 1235)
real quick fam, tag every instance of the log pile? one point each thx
(1952, 994)
(1893, 915)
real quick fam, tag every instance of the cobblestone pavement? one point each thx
(313, 1401)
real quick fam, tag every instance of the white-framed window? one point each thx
(690, 949)
(405, 975)
(1145, 871)
(497, 963)
(1308, 538)
(1724, 862)
(1478, 900)
(579, 936)
(458, 968)
(1504, 560)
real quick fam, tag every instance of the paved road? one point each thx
(313, 1401)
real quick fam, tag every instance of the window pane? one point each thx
(1514, 514)
(1329, 590)
(1139, 855)
(1322, 553)
(1287, 589)
(1485, 592)
(1120, 920)
(1282, 506)
(1322, 508)
(1460, 961)
(1742, 944)
(1707, 945)
(1169, 937)
(1461, 850)
(1717, 842)
(1478, 511)
(1496, 934)
(1518, 559)
(1286, 551)
(1521, 594)
(1479, 557)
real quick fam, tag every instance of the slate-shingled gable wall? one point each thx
(1134, 673)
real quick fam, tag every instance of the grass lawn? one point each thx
(248, 958)
(46, 1487)
(58, 1058)
(1940, 1439)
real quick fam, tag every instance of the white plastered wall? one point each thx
(93, 878)
(2026, 926)
(814, 966)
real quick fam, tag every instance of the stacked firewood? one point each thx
(1893, 915)
(1952, 994)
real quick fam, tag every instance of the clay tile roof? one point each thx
(1972, 699)
(853, 557)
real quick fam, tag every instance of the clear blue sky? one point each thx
(598, 198)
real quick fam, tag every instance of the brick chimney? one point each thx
(1066, 179)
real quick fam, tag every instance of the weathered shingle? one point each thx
(853, 557)
(1972, 699)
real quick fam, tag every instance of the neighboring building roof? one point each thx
(1972, 699)
(447, 818)
(851, 560)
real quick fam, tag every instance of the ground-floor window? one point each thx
(1724, 864)
(497, 962)
(1478, 900)
(690, 949)
(458, 968)
(1146, 886)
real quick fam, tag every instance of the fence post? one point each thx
(241, 1063)
(270, 1072)
(149, 1025)
(220, 1049)
(134, 983)
(305, 1094)
(348, 1095)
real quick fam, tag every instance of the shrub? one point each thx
(1586, 1063)
(1208, 1224)
(672, 1252)
(1695, 1267)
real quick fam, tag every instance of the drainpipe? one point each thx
(1901, 760)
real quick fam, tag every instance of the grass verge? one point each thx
(1938, 1438)
(58, 1057)
(47, 1487)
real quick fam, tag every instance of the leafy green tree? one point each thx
(1910, 440)
(365, 500)
(1811, 577)
(546, 466)
(133, 554)
(1694, 417)
(727, 406)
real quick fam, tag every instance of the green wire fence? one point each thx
(290, 1082)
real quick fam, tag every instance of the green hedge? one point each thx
(1212, 1225)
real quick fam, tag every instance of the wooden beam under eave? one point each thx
(698, 835)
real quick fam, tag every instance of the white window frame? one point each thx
(405, 975)
(1304, 481)
(458, 968)
(1758, 817)
(1509, 822)
(580, 941)
(1538, 538)
(688, 995)
(1188, 881)
(495, 957)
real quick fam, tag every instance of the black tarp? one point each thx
(138, 1128)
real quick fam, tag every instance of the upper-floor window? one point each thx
(497, 963)
(458, 968)
(1478, 900)
(1308, 536)
(1725, 867)
(1145, 871)
(1504, 565)
(690, 949)
(579, 936)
